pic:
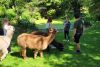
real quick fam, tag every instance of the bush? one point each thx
(51, 12)
(25, 25)
(26, 14)
(10, 13)
(2, 11)
(36, 15)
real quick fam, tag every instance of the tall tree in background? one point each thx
(95, 9)
(76, 7)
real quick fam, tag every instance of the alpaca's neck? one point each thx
(9, 35)
(49, 38)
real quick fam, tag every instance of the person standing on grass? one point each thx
(49, 23)
(5, 25)
(66, 29)
(77, 32)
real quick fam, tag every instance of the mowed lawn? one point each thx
(90, 48)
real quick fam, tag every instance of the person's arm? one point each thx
(5, 27)
(51, 25)
(64, 23)
(74, 30)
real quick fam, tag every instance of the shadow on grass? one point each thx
(16, 54)
(89, 57)
(29, 53)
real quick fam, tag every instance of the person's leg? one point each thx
(65, 34)
(68, 35)
(78, 47)
(77, 38)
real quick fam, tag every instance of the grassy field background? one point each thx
(90, 56)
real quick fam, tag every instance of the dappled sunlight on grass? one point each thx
(68, 55)
(95, 57)
(41, 21)
(71, 47)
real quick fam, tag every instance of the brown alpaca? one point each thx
(54, 43)
(36, 42)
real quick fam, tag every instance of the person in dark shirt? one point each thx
(78, 31)
(66, 28)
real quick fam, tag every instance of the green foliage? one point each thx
(26, 14)
(27, 9)
(51, 12)
(25, 25)
(0, 25)
(95, 9)
(36, 15)
(5, 3)
(10, 13)
(2, 11)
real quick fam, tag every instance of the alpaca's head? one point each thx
(52, 30)
(10, 30)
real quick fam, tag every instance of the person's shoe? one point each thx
(78, 51)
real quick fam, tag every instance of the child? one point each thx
(49, 23)
(66, 28)
(78, 31)
(5, 25)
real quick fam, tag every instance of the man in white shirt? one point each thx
(5, 25)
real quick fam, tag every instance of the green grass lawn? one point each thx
(90, 56)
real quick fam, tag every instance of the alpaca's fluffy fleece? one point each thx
(5, 41)
(36, 42)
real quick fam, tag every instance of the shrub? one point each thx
(26, 14)
(24, 25)
(10, 13)
(51, 12)
(36, 15)
(2, 11)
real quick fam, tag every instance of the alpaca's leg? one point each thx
(5, 52)
(35, 53)
(23, 53)
(41, 53)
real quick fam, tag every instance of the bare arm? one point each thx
(74, 32)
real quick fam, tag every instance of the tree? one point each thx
(76, 7)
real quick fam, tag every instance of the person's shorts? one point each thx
(66, 31)
(77, 38)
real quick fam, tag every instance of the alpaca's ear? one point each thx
(14, 28)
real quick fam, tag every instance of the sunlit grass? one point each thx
(55, 23)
